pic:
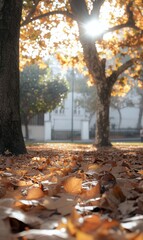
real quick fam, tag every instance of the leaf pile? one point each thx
(71, 191)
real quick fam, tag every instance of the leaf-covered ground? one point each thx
(71, 191)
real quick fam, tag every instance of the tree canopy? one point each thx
(43, 20)
(40, 92)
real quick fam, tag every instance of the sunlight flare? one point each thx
(95, 28)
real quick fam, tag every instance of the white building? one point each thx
(72, 121)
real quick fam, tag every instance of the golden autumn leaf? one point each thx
(91, 193)
(140, 172)
(139, 237)
(93, 167)
(91, 223)
(84, 236)
(71, 227)
(22, 183)
(34, 193)
(73, 185)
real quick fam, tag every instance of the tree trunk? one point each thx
(102, 117)
(96, 67)
(10, 123)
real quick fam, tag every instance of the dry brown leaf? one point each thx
(34, 193)
(91, 193)
(139, 237)
(127, 207)
(117, 191)
(109, 224)
(140, 172)
(107, 181)
(64, 203)
(84, 236)
(23, 183)
(2, 191)
(73, 185)
(91, 223)
(71, 227)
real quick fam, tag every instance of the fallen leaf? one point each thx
(2, 191)
(49, 234)
(73, 185)
(84, 236)
(34, 193)
(117, 191)
(91, 193)
(107, 181)
(133, 223)
(140, 172)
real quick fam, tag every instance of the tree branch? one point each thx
(30, 14)
(113, 77)
(125, 66)
(129, 24)
(96, 8)
(79, 10)
(66, 13)
(125, 25)
(129, 12)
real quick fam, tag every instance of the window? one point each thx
(77, 109)
(59, 110)
(37, 120)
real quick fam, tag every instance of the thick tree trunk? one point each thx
(102, 117)
(10, 124)
(97, 70)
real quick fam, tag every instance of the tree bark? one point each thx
(10, 123)
(96, 68)
(102, 117)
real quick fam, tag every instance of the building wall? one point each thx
(61, 120)
(35, 132)
(129, 117)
